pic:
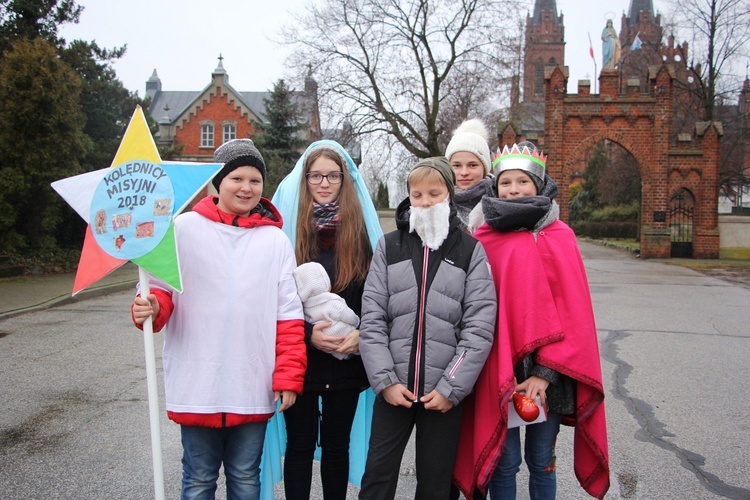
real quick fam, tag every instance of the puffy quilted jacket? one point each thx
(428, 317)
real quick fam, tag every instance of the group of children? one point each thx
(479, 293)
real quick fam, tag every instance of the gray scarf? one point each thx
(530, 213)
(467, 199)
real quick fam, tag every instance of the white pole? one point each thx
(596, 78)
(153, 394)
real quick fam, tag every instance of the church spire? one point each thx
(545, 6)
(638, 6)
(544, 47)
(220, 68)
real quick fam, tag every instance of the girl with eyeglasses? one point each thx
(330, 219)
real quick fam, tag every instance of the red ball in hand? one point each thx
(525, 407)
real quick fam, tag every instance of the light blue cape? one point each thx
(286, 200)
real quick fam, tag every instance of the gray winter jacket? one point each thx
(428, 317)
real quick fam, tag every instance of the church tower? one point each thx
(643, 45)
(544, 46)
(640, 39)
(640, 21)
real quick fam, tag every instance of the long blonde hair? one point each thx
(353, 251)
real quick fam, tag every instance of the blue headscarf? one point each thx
(286, 198)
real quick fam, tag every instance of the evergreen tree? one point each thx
(594, 170)
(106, 104)
(41, 140)
(620, 183)
(585, 198)
(382, 197)
(278, 138)
(29, 19)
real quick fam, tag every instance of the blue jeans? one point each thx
(540, 459)
(204, 449)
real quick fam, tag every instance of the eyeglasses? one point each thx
(316, 178)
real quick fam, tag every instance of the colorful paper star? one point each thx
(130, 207)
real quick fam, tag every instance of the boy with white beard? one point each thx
(428, 316)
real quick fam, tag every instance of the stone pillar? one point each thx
(608, 83)
(555, 83)
(706, 244)
(655, 233)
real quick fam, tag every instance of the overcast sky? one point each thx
(182, 39)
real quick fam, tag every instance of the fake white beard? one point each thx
(431, 223)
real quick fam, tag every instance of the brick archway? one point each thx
(642, 124)
(572, 163)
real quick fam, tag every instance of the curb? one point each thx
(61, 300)
(625, 248)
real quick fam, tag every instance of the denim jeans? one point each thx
(540, 459)
(204, 449)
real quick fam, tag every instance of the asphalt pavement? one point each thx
(674, 346)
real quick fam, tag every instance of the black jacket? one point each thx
(325, 372)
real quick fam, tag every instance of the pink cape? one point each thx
(544, 306)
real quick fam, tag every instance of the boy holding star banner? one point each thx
(234, 340)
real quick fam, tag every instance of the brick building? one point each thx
(200, 121)
(544, 47)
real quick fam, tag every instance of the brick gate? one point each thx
(642, 124)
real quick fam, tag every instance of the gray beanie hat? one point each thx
(237, 153)
(441, 164)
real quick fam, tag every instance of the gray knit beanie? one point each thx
(441, 164)
(237, 153)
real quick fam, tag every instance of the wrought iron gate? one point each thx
(681, 210)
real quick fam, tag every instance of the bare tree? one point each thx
(412, 69)
(385, 162)
(719, 34)
(719, 31)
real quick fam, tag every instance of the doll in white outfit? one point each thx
(320, 304)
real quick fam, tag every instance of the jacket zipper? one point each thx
(455, 367)
(420, 329)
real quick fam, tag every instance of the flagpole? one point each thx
(595, 77)
(153, 394)
(591, 52)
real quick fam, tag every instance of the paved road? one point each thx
(674, 345)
